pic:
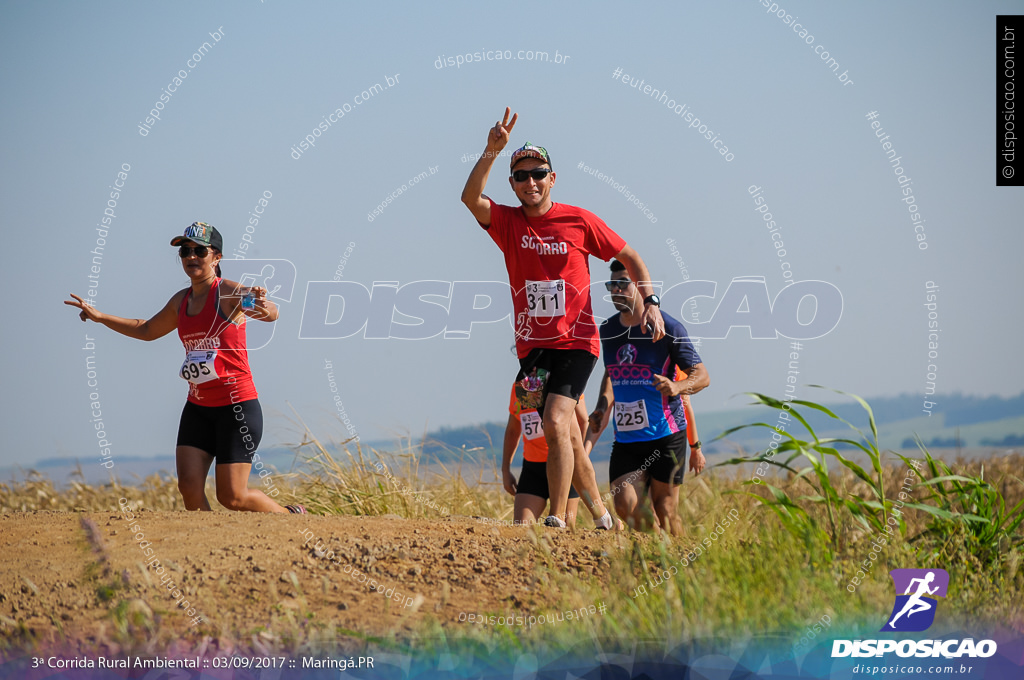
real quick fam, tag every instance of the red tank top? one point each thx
(216, 361)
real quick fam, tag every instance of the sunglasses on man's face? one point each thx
(620, 284)
(537, 174)
(186, 251)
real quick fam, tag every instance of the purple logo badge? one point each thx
(916, 590)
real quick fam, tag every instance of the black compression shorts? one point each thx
(229, 433)
(534, 480)
(662, 459)
(566, 370)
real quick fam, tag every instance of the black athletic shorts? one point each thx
(534, 481)
(564, 371)
(229, 433)
(662, 459)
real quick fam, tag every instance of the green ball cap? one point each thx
(202, 233)
(530, 150)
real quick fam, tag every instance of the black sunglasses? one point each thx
(621, 284)
(538, 174)
(186, 251)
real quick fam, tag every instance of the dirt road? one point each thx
(84, 578)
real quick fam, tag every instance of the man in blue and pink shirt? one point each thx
(642, 383)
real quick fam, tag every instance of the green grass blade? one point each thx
(778, 405)
(864, 404)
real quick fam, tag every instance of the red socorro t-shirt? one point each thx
(549, 273)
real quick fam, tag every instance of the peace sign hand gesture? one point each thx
(88, 313)
(498, 135)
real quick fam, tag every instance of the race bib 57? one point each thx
(533, 425)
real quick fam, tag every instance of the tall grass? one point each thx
(971, 508)
(872, 513)
(783, 563)
(376, 482)
(37, 492)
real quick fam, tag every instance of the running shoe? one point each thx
(604, 521)
(554, 522)
(296, 509)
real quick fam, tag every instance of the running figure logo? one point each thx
(914, 610)
(626, 354)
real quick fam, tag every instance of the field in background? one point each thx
(961, 426)
(73, 575)
(419, 559)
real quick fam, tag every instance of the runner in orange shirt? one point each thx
(525, 421)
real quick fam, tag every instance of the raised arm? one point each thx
(473, 192)
(162, 323)
(638, 273)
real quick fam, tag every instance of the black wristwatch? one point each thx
(695, 445)
(652, 300)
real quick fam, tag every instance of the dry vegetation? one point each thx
(762, 575)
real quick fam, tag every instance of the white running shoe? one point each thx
(554, 522)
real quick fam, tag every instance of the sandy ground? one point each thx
(63, 574)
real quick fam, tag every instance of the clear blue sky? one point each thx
(78, 80)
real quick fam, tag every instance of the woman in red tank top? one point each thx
(222, 419)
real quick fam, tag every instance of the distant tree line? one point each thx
(484, 440)
(957, 409)
(1009, 440)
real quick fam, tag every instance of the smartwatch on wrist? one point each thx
(652, 300)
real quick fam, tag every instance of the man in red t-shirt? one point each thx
(546, 246)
